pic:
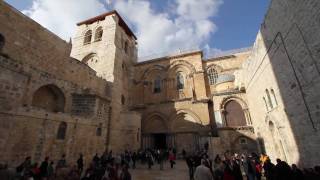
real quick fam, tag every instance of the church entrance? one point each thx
(160, 141)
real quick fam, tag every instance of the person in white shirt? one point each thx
(202, 172)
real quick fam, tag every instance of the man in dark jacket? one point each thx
(44, 168)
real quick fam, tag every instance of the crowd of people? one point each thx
(111, 166)
(241, 167)
(108, 166)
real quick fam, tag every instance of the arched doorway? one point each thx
(234, 115)
(186, 130)
(154, 132)
(50, 98)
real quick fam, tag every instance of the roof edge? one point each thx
(102, 17)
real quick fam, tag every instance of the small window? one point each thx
(87, 37)
(157, 85)
(274, 97)
(62, 131)
(180, 81)
(98, 34)
(123, 100)
(2, 42)
(212, 76)
(126, 47)
(243, 141)
(265, 103)
(99, 130)
(269, 99)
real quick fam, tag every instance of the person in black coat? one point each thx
(44, 168)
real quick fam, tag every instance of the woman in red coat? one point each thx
(172, 159)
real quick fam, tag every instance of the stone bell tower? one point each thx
(107, 45)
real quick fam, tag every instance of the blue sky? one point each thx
(161, 25)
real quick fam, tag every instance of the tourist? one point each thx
(44, 168)
(236, 170)
(125, 174)
(161, 159)
(190, 164)
(134, 159)
(208, 162)
(296, 173)
(282, 170)
(80, 164)
(203, 172)
(258, 170)
(183, 153)
(62, 162)
(172, 159)
(218, 168)
(268, 167)
(24, 169)
(5, 173)
(149, 159)
(96, 159)
(35, 172)
(50, 170)
(251, 168)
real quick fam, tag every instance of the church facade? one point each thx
(92, 94)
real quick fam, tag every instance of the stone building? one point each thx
(186, 101)
(53, 104)
(93, 94)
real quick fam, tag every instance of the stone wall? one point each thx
(285, 62)
(37, 96)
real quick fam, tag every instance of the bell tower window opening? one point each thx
(87, 37)
(98, 34)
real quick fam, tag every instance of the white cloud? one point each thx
(188, 27)
(61, 16)
(186, 24)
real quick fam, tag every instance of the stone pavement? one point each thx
(179, 172)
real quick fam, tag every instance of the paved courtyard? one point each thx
(179, 172)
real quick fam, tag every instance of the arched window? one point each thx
(265, 103)
(2, 41)
(62, 130)
(269, 99)
(50, 98)
(274, 97)
(87, 37)
(234, 115)
(180, 81)
(99, 130)
(98, 34)
(157, 85)
(212, 76)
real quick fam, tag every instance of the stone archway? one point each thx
(186, 128)
(50, 98)
(155, 131)
(234, 115)
(235, 112)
